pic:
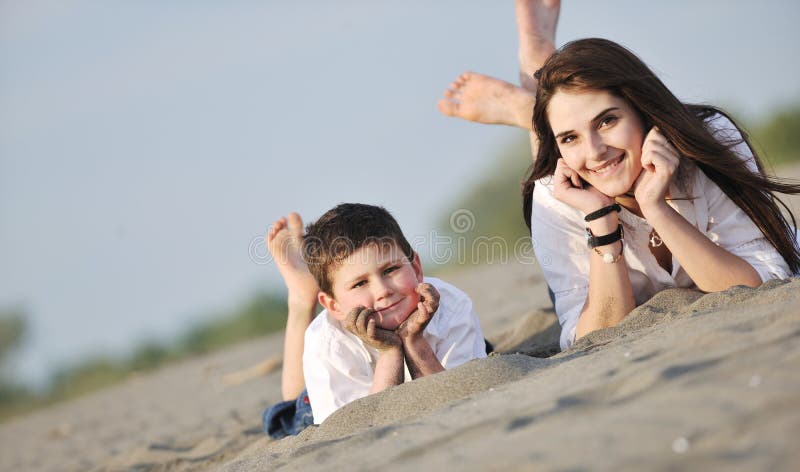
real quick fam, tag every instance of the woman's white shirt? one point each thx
(559, 240)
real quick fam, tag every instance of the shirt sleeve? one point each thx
(334, 376)
(457, 337)
(730, 228)
(559, 242)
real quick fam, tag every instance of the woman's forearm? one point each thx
(711, 267)
(610, 296)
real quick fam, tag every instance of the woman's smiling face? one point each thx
(600, 136)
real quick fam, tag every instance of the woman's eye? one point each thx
(567, 139)
(608, 120)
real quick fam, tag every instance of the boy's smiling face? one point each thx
(377, 276)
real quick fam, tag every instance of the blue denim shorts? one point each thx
(289, 417)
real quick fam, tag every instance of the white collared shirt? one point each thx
(339, 368)
(559, 240)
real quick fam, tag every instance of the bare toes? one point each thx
(277, 225)
(447, 107)
(295, 224)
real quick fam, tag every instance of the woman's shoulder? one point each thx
(722, 127)
(546, 205)
(727, 132)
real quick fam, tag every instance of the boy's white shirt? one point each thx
(338, 367)
(559, 241)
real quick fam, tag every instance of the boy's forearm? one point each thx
(388, 370)
(420, 357)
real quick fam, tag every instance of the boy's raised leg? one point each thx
(536, 30)
(284, 241)
(483, 99)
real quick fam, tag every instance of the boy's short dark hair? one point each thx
(342, 231)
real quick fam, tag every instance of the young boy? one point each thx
(378, 328)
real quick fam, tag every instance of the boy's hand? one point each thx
(361, 322)
(416, 322)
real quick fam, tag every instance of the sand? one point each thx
(681, 385)
(687, 382)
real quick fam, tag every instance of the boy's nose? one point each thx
(382, 290)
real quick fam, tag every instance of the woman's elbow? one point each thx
(749, 277)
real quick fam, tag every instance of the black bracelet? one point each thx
(594, 241)
(602, 212)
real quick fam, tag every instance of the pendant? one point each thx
(655, 239)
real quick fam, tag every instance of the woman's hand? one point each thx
(568, 187)
(659, 163)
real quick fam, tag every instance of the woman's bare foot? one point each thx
(483, 99)
(536, 27)
(284, 241)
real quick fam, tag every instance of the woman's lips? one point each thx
(609, 166)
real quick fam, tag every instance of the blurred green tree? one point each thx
(778, 138)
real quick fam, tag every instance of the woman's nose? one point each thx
(596, 148)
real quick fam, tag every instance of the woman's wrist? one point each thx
(605, 224)
(614, 207)
(656, 211)
(610, 253)
(597, 205)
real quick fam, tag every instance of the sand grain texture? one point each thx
(687, 381)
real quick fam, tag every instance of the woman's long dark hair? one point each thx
(599, 64)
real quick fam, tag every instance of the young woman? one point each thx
(632, 191)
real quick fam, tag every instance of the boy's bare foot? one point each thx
(483, 99)
(536, 27)
(284, 241)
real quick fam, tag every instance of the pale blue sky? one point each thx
(145, 144)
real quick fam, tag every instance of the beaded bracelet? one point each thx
(609, 258)
(602, 212)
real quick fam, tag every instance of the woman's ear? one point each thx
(330, 304)
(417, 266)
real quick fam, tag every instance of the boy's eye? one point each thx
(360, 283)
(390, 269)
